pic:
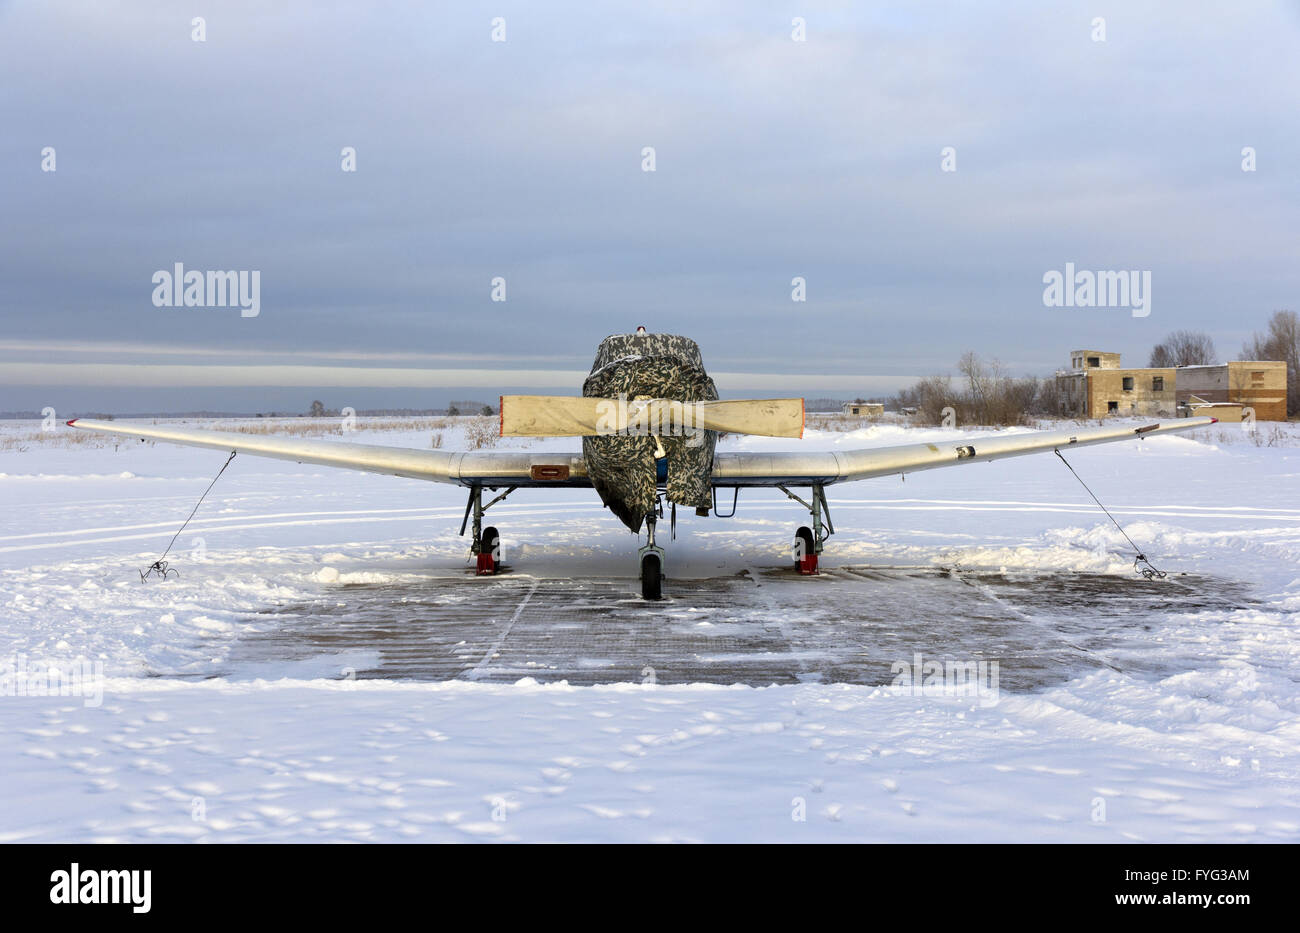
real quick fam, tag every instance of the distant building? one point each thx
(1244, 383)
(1196, 407)
(1093, 359)
(1096, 386)
(861, 409)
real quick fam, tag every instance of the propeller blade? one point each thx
(766, 417)
(549, 415)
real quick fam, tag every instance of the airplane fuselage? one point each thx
(627, 469)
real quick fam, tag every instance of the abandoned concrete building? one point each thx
(1097, 386)
(863, 409)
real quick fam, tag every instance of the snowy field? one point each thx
(326, 666)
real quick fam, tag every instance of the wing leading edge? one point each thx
(827, 467)
(464, 468)
(536, 469)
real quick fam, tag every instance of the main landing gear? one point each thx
(809, 542)
(486, 542)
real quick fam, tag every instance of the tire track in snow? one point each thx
(209, 525)
(474, 672)
(1011, 502)
(765, 597)
(226, 518)
(987, 592)
(1079, 509)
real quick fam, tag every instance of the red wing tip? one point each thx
(1214, 421)
(72, 423)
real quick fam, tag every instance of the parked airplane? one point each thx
(649, 418)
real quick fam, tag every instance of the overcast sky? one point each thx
(774, 158)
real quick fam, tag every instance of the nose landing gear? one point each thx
(651, 559)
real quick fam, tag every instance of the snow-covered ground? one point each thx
(1189, 731)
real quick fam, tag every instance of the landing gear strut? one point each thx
(486, 542)
(809, 542)
(651, 558)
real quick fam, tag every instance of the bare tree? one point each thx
(986, 395)
(1050, 399)
(981, 386)
(1183, 348)
(934, 394)
(1280, 342)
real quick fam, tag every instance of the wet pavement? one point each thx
(847, 625)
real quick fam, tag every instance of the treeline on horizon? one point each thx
(984, 393)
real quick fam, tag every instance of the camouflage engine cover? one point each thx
(622, 468)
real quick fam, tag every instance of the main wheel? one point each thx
(489, 552)
(803, 545)
(805, 551)
(651, 577)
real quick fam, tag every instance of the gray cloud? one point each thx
(522, 159)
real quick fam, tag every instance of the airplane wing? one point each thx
(464, 468)
(536, 469)
(840, 466)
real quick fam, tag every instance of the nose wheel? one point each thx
(652, 576)
(651, 559)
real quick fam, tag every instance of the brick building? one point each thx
(1250, 384)
(1097, 386)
